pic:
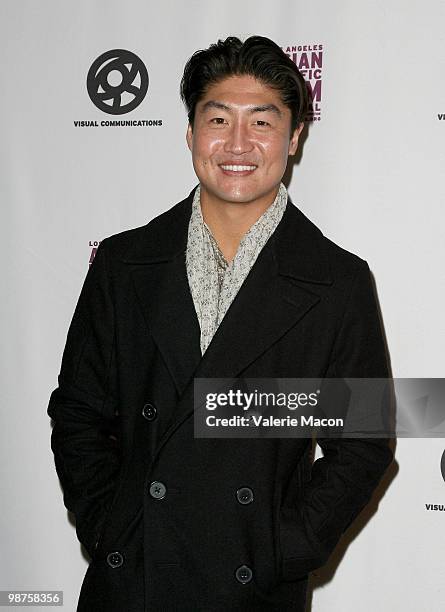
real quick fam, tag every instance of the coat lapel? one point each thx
(266, 306)
(158, 266)
(273, 297)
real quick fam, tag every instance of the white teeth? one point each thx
(238, 168)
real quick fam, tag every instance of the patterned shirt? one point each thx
(213, 281)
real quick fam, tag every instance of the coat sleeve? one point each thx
(84, 405)
(342, 481)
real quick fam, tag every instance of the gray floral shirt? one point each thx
(213, 281)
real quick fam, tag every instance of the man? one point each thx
(232, 281)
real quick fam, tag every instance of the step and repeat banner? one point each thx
(78, 166)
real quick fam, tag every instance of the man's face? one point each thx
(241, 141)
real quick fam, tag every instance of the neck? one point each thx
(230, 221)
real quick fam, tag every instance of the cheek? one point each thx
(275, 152)
(205, 148)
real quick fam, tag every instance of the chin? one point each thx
(238, 198)
(238, 195)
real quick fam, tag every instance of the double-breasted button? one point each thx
(149, 412)
(243, 574)
(115, 559)
(244, 495)
(158, 489)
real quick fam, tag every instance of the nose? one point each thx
(238, 140)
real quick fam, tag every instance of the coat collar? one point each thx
(279, 290)
(297, 242)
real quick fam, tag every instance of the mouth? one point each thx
(238, 169)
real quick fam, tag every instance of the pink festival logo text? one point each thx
(94, 246)
(309, 61)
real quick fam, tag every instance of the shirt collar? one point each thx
(273, 211)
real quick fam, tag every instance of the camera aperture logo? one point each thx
(438, 507)
(117, 81)
(442, 465)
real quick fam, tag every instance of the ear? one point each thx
(189, 136)
(293, 144)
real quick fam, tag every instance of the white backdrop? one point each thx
(369, 176)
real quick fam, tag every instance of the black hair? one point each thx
(257, 56)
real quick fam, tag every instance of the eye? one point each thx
(262, 123)
(217, 120)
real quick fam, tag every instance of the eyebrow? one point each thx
(253, 109)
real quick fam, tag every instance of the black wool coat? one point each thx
(159, 511)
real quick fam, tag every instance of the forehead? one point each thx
(244, 90)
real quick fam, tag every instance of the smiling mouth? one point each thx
(239, 169)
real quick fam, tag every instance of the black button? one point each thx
(243, 574)
(149, 412)
(115, 559)
(244, 495)
(158, 489)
